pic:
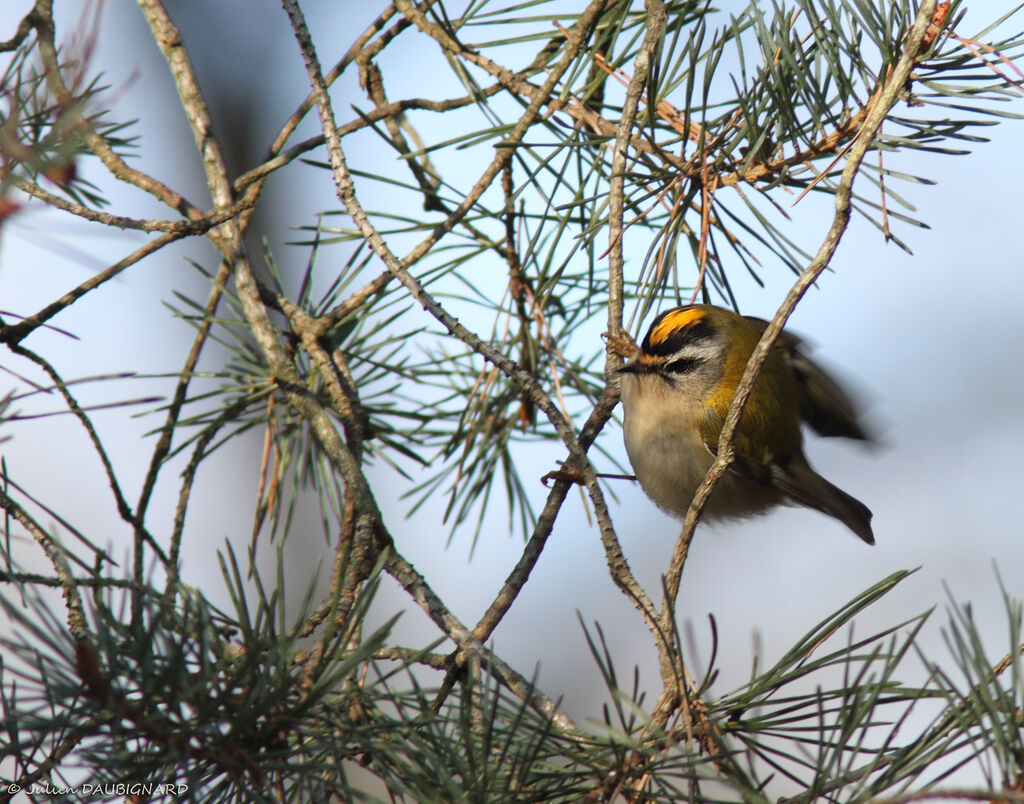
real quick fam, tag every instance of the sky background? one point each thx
(934, 340)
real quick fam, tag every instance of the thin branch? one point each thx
(346, 193)
(656, 18)
(343, 181)
(278, 160)
(171, 44)
(163, 445)
(344, 396)
(200, 224)
(419, 590)
(87, 581)
(13, 334)
(884, 99)
(77, 623)
(43, 19)
(520, 573)
(120, 502)
(24, 27)
(172, 562)
(356, 49)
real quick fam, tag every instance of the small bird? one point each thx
(676, 392)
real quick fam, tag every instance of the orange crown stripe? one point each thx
(677, 319)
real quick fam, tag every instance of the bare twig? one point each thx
(200, 224)
(172, 561)
(418, 588)
(43, 19)
(163, 444)
(617, 564)
(120, 502)
(346, 193)
(77, 623)
(13, 334)
(887, 96)
(24, 28)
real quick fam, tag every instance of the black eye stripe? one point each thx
(683, 365)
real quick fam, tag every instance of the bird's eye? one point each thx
(683, 365)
